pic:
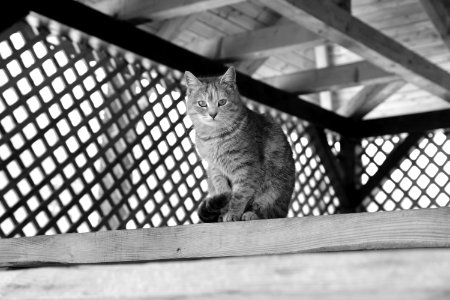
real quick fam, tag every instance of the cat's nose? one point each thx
(213, 114)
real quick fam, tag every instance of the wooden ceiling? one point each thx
(385, 58)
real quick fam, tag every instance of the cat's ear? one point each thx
(229, 77)
(191, 80)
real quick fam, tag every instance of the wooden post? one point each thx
(350, 160)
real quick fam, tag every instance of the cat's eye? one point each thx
(222, 102)
(201, 103)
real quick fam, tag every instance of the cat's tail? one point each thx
(210, 209)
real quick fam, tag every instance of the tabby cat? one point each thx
(250, 165)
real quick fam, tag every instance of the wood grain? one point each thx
(258, 43)
(439, 13)
(392, 274)
(383, 230)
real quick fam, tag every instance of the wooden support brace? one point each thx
(390, 163)
(333, 169)
(369, 98)
(343, 232)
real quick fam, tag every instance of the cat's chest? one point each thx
(211, 151)
(221, 152)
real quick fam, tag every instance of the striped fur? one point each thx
(250, 165)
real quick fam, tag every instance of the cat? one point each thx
(251, 169)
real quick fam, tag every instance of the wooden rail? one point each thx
(384, 230)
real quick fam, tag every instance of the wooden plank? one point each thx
(369, 98)
(145, 45)
(391, 162)
(250, 67)
(339, 26)
(172, 28)
(258, 43)
(154, 9)
(395, 274)
(420, 122)
(336, 77)
(439, 13)
(383, 230)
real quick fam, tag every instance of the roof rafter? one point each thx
(258, 43)
(329, 78)
(337, 25)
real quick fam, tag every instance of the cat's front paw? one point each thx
(231, 217)
(249, 215)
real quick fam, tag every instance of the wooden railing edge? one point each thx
(424, 228)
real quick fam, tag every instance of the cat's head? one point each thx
(212, 101)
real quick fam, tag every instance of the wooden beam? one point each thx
(251, 67)
(335, 24)
(369, 98)
(420, 122)
(439, 13)
(391, 162)
(258, 43)
(369, 275)
(145, 45)
(330, 78)
(8, 19)
(151, 10)
(383, 230)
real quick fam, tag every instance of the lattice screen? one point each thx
(421, 180)
(92, 142)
